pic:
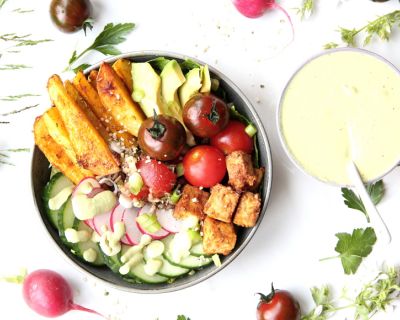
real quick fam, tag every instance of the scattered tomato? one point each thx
(70, 15)
(205, 115)
(157, 176)
(278, 305)
(162, 137)
(204, 166)
(142, 195)
(233, 138)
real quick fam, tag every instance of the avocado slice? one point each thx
(191, 86)
(171, 79)
(205, 80)
(147, 88)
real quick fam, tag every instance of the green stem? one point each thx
(328, 258)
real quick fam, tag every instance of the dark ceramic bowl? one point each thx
(41, 172)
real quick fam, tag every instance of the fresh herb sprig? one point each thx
(18, 110)
(352, 248)
(18, 97)
(105, 42)
(375, 296)
(2, 2)
(376, 191)
(7, 67)
(380, 27)
(182, 317)
(306, 10)
(4, 154)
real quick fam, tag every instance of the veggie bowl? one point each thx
(152, 172)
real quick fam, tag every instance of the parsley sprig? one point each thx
(376, 191)
(306, 10)
(4, 155)
(380, 27)
(104, 43)
(352, 248)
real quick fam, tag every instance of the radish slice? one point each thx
(160, 234)
(101, 220)
(168, 221)
(147, 208)
(90, 224)
(133, 234)
(92, 181)
(117, 215)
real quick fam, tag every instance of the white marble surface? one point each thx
(303, 215)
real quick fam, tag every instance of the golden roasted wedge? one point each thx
(116, 98)
(73, 92)
(91, 149)
(58, 132)
(56, 154)
(93, 101)
(123, 69)
(92, 78)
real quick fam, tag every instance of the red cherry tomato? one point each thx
(157, 176)
(278, 305)
(204, 166)
(142, 195)
(205, 115)
(233, 138)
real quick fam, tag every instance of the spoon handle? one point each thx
(376, 218)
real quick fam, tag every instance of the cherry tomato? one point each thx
(204, 166)
(157, 176)
(233, 138)
(278, 305)
(162, 137)
(205, 115)
(70, 15)
(142, 195)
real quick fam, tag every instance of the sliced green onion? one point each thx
(176, 195)
(135, 183)
(149, 222)
(217, 261)
(179, 169)
(251, 129)
(214, 84)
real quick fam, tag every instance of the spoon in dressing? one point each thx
(354, 175)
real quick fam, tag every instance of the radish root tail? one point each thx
(77, 307)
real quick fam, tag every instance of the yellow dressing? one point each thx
(343, 106)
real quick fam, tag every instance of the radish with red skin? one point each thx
(168, 221)
(160, 234)
(49, 294)
(101, 220)
(256, 8)
(118, 215)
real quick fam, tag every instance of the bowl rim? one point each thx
(282, 140)
(267, 186)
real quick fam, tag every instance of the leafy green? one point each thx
(354, 247)
(106, 41)
(159, 63)
(82, 67)
(376, 191)
(380, 27)
(324, 307)
(306, 9)
(87, 24)
(188, 65)
(182, 317)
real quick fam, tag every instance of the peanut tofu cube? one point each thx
(259, 172)
(248, 210)
(222, 203)
(191, 203)
(240, 171)
(218, 237)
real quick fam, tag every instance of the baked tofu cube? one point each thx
(218, 237)
(240, 170)
(191, 203)
(248, 210)
(222, 203)
(259, 172)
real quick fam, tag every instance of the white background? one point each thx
(303, 215)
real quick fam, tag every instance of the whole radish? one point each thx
(49, 294)
(256, 8)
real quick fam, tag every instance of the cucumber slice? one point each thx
(81, 247)
(139, 273)
(189, 262)
(197, 250)
(169, 270)
(112, 262)
(66, 219)
(57, 183)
